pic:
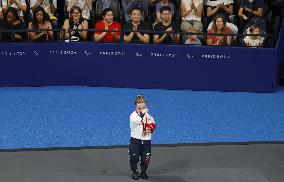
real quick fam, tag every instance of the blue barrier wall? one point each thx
(139, 66)
(281, 50)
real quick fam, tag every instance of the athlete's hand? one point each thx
(148, 130)
(145, 110)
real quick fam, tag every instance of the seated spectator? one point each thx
(136, 23)
(254, 40)
(107, 24)
(128, 6)
(39, 23)
(159, 5)
(49, 7)
(19, 5)
(167, 26)
(223, 7)
(252, 12)
(77, 23)
(191, 12)
(12, 21)
(192, 38)
(219, 27)
(85, 5)
(216, 7)
(233, 27)
(1, 13)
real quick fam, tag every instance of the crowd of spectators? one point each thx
(206, 22)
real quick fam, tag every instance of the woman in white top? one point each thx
(254, 40)
(191, 12)
(85, 5)
(142, 125)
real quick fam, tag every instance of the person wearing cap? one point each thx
(142, 125)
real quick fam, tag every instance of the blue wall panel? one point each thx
(280, 46)
(138, 66)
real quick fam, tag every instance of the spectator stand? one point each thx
(162, 66)
(167, 66)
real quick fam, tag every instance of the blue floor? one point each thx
(88, 116)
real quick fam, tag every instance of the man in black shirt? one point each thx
(252, 12)
(166, 28)
(131, 28)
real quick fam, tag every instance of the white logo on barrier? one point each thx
(62, 52)
(172, 56)
(112, 53)
(13, 53)
(167, 55)
(189, 56)
(87, 53)
(215, 56)
(138, 55)
(35, 53)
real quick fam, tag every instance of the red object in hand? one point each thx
(151, 126)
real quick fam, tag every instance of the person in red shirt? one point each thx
(219, 27)
(107, 23)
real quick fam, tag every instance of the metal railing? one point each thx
(59, 36)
